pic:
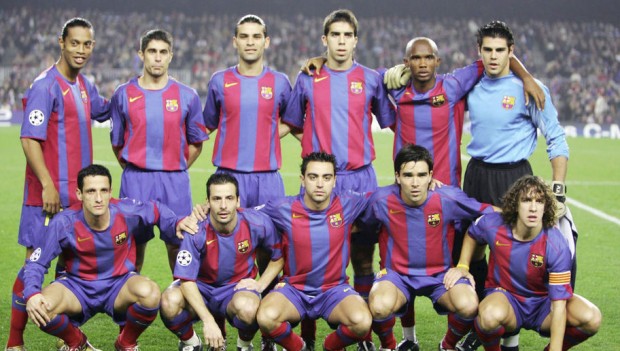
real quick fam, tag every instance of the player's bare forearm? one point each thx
(530, 88)
(558, 324)
(559, 167)
(270, 273)
(194, 152)
(36, 161)
(194, 299)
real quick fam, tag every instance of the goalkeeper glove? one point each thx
(397, 77)
(559, 190)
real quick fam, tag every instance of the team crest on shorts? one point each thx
(279, 286)
(120, 239)
(266, 92)
(434, 219)
(537, 260)
(335, 220)
(356, 87)
(84, 96)
(380, 273)
(508, 102)
(243, 246)
(438, 100)
(172, 105)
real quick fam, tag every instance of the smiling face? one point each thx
(250, 42)
(75, 49)
(156, 58)
(223, 205)
(413, 179)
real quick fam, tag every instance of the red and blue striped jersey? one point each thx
(155, 127)
(527, 269)
(246, 112)
(418, 241)
(434, 119)
(221, 259)
(59, 114)
(316, 244)
(96, 255)
(335, 110)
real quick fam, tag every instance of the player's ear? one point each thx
(78, 194)
(267, 41)
(396, 177)
(141, 55)
(324, 40)
(61, 43)
(235, 42)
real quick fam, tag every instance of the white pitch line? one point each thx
(594, 211)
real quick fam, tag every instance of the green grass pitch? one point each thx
(593, 180)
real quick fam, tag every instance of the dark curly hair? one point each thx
(524, 186)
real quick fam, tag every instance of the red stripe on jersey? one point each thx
(440, 126)
(86, 252)
(124, 249)
(358, 109)
(406, 120)
(399, 256)
(435, 251)
(173, 122)
(242, 258)
(232, 98)
(537, 266)
(459, 113)
(136, 134)
(503, 249)
(300, 227)
(339, 244)
(264, 123)
(208, 268)
(321, 110)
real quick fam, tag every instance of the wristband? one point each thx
(464, 266)
(559, 190)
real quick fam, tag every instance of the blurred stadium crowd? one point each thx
(578, 61)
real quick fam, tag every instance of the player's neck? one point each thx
(250, 69)
(149, 82)
(227, 228)
(315, 206)
(423, 87)
(66, 71)
(523, 233)
(338, 66)
(98, 223)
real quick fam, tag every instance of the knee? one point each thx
(361, 321)
(594, 320)
(488, 318)
(148, 294)
(267, 317)
(380, 307)
(468, 305)
(246, 309)
(171, 302)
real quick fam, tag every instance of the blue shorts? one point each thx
(315, 306)
(530, 313)
(257, 188)
(32, 225)
(430, 286)
(96, 296)
(170, 188)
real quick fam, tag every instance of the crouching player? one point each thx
(316, 241)
(98, 241)
(215, 270)
(528, 284)
(415, 245)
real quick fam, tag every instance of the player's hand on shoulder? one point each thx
(37, 309)
(314, 63)
(435, 184)
(188, 224)
(397, 77)
(533, 90)
(201, 211)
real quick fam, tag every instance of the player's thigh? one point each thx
(461, 298)
(352, 310)
(579, 313)
(172, 300)
(61, 299)
(386, 298)
(140, 289)
(496, 310)
(277, 307)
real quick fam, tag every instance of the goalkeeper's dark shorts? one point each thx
(488, 182)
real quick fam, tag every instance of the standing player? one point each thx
(415, 242)
(244, 104)
(56, 138)
(504, 131)
(334, 110)
(97, 240)
(316, 233)
(216, 272)
(157, 134)
(528, 285)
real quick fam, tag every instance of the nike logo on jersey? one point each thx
(132, 99)
(297, 215)
(317, 79)
(347, 289)
(17, 302)
(65, 92)
(209, 242)
(395, 211)
(228, 85)
(80, 239)
(499, 243)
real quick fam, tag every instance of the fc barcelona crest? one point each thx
(508, 102)
(84, 96)
(172, 105)
(335, 220)
(434, 219)
(356, 87)
(243, 246)
(380, 273)
(537, 260)
(120, 239)
(266, 92)
(438, 100)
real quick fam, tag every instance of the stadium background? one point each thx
(572, 46)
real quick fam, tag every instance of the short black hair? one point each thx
(342, 15)
(251, 19)
(91, 171)
(76, 22)
(317, 157)
(495, 29)
(222, 178)
(412, 153)
(155, 34)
